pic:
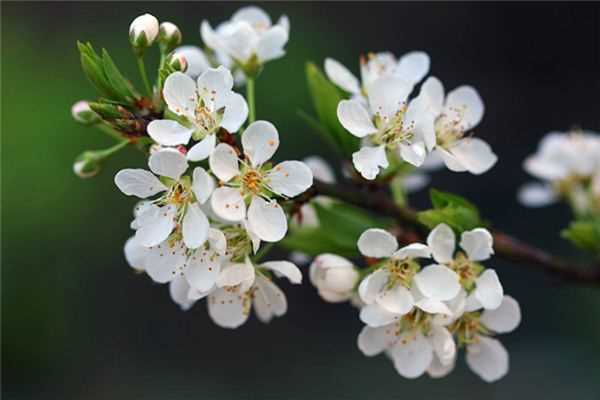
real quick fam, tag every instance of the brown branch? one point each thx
(505, 246)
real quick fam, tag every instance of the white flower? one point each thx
(565, 163)
(387, 123)
(178, 206)
(143, 30)
(411, 68)
(478, 246)
(307, 216)
(169, 35)
(400, 284)
(334, 277)
(254, 182)
(248, 37)
(83, 114)
(203, 109)
(455, 114)
(242, 286)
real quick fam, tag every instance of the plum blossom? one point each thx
(177, 211)
(398, 284)
(334, 277)
(202, 108)
(249, 38)
(387, 123)
(249, 184)
(411, 68)
(568, 166)
(455, 115)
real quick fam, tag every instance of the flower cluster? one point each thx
(394, 127)
(420, 315)
(568, 165)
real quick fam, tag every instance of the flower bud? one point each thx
(83, 114)
(143, 31)
(87, 165)
(178, 62)
(334, 277)
(169, 36)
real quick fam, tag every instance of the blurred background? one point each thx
(78, 324)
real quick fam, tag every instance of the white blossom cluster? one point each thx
(568, 166)
(392, 124)
(418, 313)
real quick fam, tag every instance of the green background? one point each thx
(77, 323)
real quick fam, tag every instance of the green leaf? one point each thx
(441, 199)
(340, 226)
(326, 97)
(455, 211)
(121, 85)
(584, 234)
(95, 69)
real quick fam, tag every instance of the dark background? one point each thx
(78, 324)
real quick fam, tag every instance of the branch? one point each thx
(505, 246)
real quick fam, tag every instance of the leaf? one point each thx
(451, 209)
(326, 98)
(115, 78)
(584, 234)
(441, 199)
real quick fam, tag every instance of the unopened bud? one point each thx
(143, 31)
(334, 277)
(169, 36)
(106, 111)
(178, 62)
(87, 165)
(83, 114)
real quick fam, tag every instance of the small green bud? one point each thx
(106, 111)
(83, 114)
(87, 165)
(177, 62)
(169, 36)
(143, 31)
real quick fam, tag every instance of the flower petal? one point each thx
(290, 178)
(432, 306)
(135, 254)
(156, 227)
(269, 300)
(178, 289)
(489, 291)
(441, 241)
(474, 155)
(196, 60)
(432, 93)
(439, 370)
(228, 203)
(375, 316)
(465, 105)
(202, 184)
(214, 87)
(387, 95)
(320, 169)
(169, 133)
(165, 261)
(443, 344)
(168, 162)
(217, 240)
(488, 359)
(414, 153)
(138, 182)
(377, 243)
(412, 355)
(413, 66)
(477, 243)
(271, 43)
(372, 284)
(236, 112)
(224, 162)
(235, 274)
(535, 194)
(195, 227)
(260, 141)
(203, 149)
(397, 300)
(413, 250)
(203, 270)
(180, 95)
(355, 118)
(284, 268)
(341, 76)
(368, 160)
(437, 282)
(226, 307)
(503, 319)
(267, 219)
(372, 341)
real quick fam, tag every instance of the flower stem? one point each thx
(114, 149)
(250, 100)
(109, 131)
(142, 69)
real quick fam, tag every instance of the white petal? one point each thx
(217, 240)
(465, 101)
(422, 120)
(489, 291)
(260, 141)
(202, 270)
(535, 194)
(203, 149)
(368, 160)
(214, 87)
(372, 341)
(413, 250)
(472, 303)
(415, 181)
(488, 359)
(503, 319)
(355, 118)
(209, 36)
(269, 300)
(178, 289)
(413, 66)
(240, 41)
(165, 261)
(224, 162)
(169, 162)
(290, 178)
(474, 155)
(156, 227)
(372, 284)
(253, 15)
(432, 306)
(226, 307)
(438, 370)
(412, 355)
(135, 254)
(138, 182)
(397, 300)
(180, 94)
(196, 60)
(375, 316)
(236, 112)
(413, 154)
(443, 345)
(169, 133)
(340, 75)
(271, 43)
(478, 244)
(437, 282)
(450, 160)
(252, 235)
(284, 268)
(267, 219)
(202, 184)
(195, 227)
(432, 92)
(235, 274)
(456, 307)
(441, 241)
(377, 243)
(320, 169)
(387, 95)
(228, 203)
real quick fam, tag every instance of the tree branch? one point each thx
(505, 246)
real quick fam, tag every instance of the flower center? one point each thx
(401, 271)
(252, 181)
(466, 269)
(468, 328)
(450, 129)
(394, 130)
